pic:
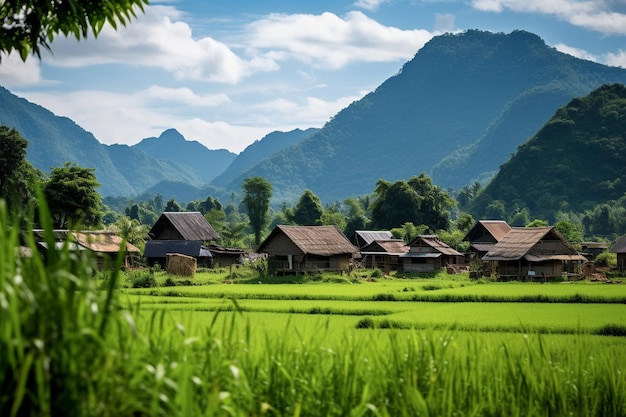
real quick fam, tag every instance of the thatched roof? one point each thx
(389, 246)
(314, 240)
(535, 244)
(160, 248)
(435, 243)
(620, 245)
(497, 229)
(189, 225)
(100, 241)
(361, 238)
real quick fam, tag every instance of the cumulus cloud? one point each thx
(577, 52)
(616, 59)
(369, 4)
(16, 73)
(330, 41)
(604, 16)
(183, 95)
(157, 39)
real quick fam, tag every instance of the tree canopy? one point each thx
(257, 194)
(29, 25)
(72, 197)
(17, 175)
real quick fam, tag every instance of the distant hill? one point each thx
(575, 161)
(259, 150)
(456, 111)
(172, 146)
(121, 170)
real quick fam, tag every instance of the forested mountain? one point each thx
(577, 160)
(121, 170)
(259, 150)
(456, 111)
(173, 147)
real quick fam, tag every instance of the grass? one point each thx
(77, 345)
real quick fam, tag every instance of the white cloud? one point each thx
(444, 22)
(577, 52)
(599, 15)
(328, 40)
(16, 73)
(369, 4)
(183, 95)
(617, 59)
(157, 39)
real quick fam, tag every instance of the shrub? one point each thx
(366, 323)
(608, 259)
(142, 278)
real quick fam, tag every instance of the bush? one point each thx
(142, 278)
(608, 259)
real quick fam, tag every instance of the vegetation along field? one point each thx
(74, 341)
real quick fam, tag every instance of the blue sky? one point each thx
(227, 73)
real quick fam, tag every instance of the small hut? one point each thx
(383, 254)
(620, 249)
(428, 253)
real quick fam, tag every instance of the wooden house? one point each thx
(428, 253)
(535, 253)
(156, 252)
(189, 225)
(306, 249)
(484, 235)
(362, 238)
(225, 257)
(104, 245)
(592, 249)
(383, 254)
(620, 249)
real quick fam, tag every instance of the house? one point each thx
(484, 235)
(620, 249)
(427, 253)
(303, 249)
(361, 238)
(591, 250)
(103, 244)
(533, 253)
(188, 225)
(156, 251)
(227, 256)
(383, 254)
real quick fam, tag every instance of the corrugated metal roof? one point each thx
(533, 243)
(365, 237)
(191, 225)
(314, 240)
(160, 248)
(434, 242)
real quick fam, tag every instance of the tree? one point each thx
(257, 194)
(172, 206)
(17, 175)
(309, 210)
(28, 25)
(72, 197)
(131, 230)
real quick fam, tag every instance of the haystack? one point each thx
(177, 264)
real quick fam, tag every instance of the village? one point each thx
(181, 242)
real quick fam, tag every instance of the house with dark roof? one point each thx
(156, 252)
(188, 225)
(428, 253)
(620, 249)
(361, 238)
(484, 235)
(383, 254)
(104, 245)
(184, 233)
(533, 253)
(292, 250)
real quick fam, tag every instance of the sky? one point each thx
(227, 73)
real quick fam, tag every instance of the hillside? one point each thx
(577, 160)
(456, 111)
(259, 150)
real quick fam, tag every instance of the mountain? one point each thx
(54, 140)
(575, 161)
(173, 147)
(259, 150)
(121, 170)
(456, 111)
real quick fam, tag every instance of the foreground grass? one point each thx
(70, 349)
